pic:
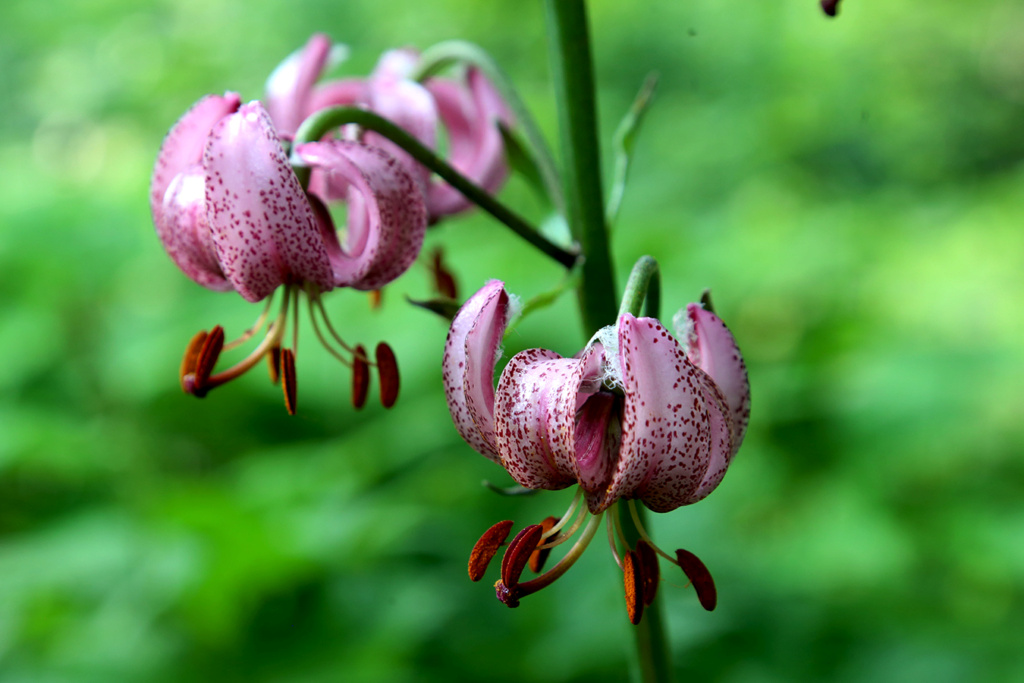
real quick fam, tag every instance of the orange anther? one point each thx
(486, 548)
(190, 360)
(518, 554)
(649, 570)
(207, 358)
(539, 556)
(634, 587)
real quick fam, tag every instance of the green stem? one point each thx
(572, 66)
(572, 70)
(319, 124)
(651, 648)
(643, 289)
(438, 57)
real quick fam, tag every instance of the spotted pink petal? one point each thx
(290, 86)
(470, 112)
(387, 217)
(344, 92)
(535, 417)
(666, 428)
(405, 103)
(263, 227)
(185, 232)
(712, 348)
(470, 354)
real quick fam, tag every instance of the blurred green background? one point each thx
(851, 190)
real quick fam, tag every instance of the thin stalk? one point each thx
(573, 74)
(435, 59)
(572, 67)
(326, 120)
(643, 289)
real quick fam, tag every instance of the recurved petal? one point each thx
(387, 217)
(470, 113)
(711, 347)
(263, 227)
(666, 440)
(290, 85)
(184, 231)
(470, 354)
(534, 418)
(184, 144)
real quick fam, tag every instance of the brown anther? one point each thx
(486, 548)
(649, 570)
(444, 281)
(509, 596)
(518, 554)
(360, 377)
(209, 352)
(700, 577)
(376, 296)
(274, 363)
(288, 380)
(190, 360)
(830, 7)
(539, 556)
(634, 587)
(387, 371)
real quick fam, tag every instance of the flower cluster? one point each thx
(637, 415)
(233, 214)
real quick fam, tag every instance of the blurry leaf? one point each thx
(624, 141)
(522, 162)
(446, 308)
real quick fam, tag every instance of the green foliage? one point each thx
(850, 189)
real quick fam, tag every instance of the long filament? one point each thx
(643, 532)
(548, 577)
(256, 327)
(273, 338)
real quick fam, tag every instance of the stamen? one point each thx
(444, 281)
(256, 326)
(518, 554)
(360, 377)
(540, 555)
(387, 371)
(330, 327)
(613, 526)
(288, 380)
(486, 548)
(274, 364)
(581, 515)
(208, 354)
(273, 338)
(190, 360)
(643, 532)
(647, 564)
(548, 577)
(323, 340)
(568, 513)
(376, 296)
(700, 577)
(634, 588)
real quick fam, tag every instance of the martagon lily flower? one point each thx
(468, 109)
(232, 214)
(637, 415)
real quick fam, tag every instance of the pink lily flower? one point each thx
(636, 415)
(469, 109)
(232, 214)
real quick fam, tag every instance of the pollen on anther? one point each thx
(518, 554)
(209, 351)
(634, 587)
(288, 380)
(540, 555)
(190, 360)
(486, 548)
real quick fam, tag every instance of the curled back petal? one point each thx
(470, 113)
(712, 348)
(263, 227)
(534, 418)
(185, 232)
(290, 86)
(387, 217)
(470, 354)
(666, 439)
(184, 144)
